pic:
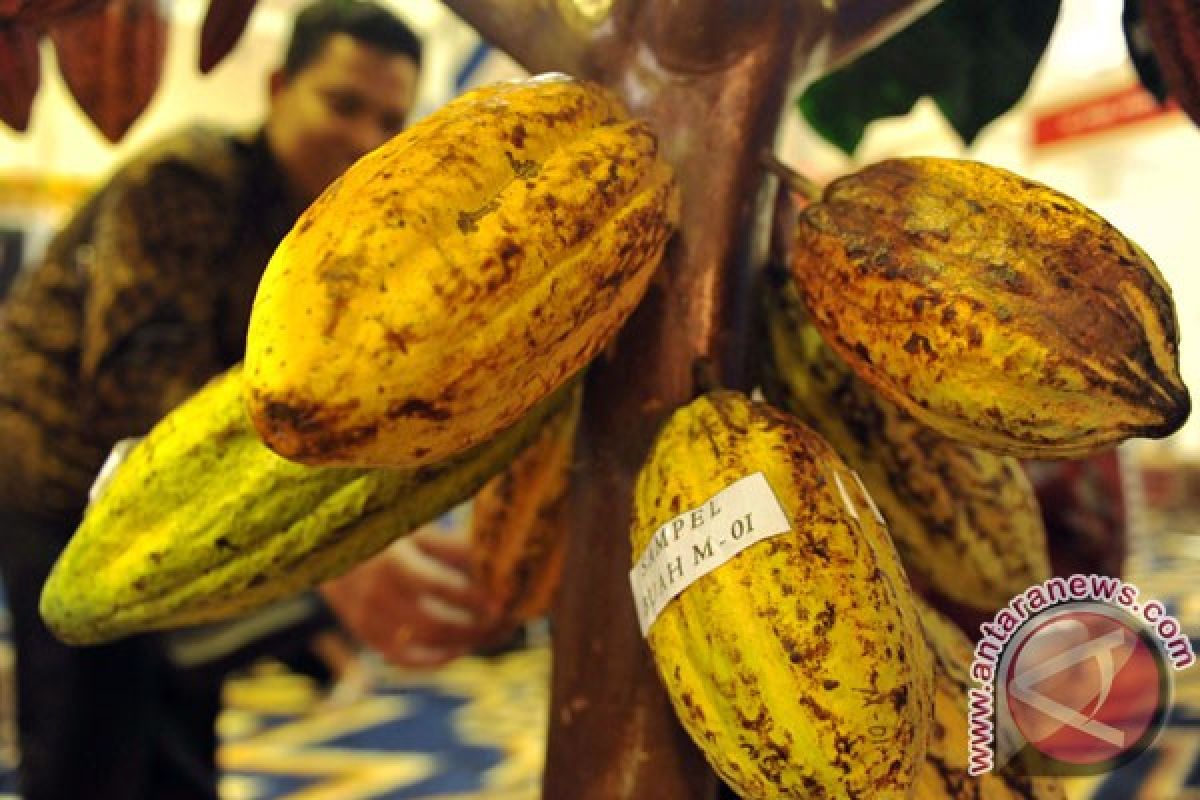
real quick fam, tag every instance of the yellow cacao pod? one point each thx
(456, 275)
(202, 522)
(798, 666)
(944, 774)
(996, 310)
(965, 521)
(519, 523)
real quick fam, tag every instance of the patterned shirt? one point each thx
(143, 296)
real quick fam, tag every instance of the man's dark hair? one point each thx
(365, 21)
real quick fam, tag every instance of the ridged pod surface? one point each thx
(991, 308)
(798, 667)
(202, 522)
(966, 521)
(944, 774)
(111, 57)
(456, 275)
(519, 523)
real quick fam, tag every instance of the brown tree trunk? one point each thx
(714, 94)
(712, 77)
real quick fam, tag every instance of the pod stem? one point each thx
(801, 184)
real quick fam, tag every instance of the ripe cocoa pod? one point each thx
(203, 523)
(111, 58)
(993, 309)
(519, 523)
(224, 23)
(798, 665)
(944, 774)
(453, 277)
(21, 68)
(965, 521)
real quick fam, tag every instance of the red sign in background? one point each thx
(1106, 112)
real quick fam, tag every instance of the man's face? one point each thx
(349, 100)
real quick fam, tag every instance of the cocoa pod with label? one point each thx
(797, 665)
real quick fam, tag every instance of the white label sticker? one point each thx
(701, 539)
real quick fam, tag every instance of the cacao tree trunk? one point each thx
(713, 78)
(713, 92)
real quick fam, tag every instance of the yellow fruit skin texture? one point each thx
(965, 521)
(202, 522)
(944, 774)
(520, 519)
(798, 667)
(994, 309)
(456, 275)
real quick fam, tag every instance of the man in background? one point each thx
(143, 296)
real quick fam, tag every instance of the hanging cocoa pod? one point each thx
(112, 61)
(995, 310)
(223, 27)
(1174, 28)
(21, 72)
(520, 520)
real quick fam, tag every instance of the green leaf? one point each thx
(975, 58)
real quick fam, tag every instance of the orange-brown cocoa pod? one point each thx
(1174, 28)
(519, 523)
(21, 73)
(112, 60)
(224, 24)
(995, 310)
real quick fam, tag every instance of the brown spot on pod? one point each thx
(417, 407)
